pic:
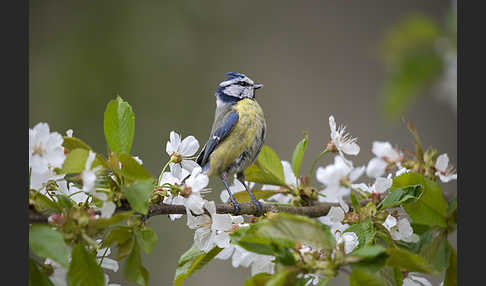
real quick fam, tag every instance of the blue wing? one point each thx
(216, 137)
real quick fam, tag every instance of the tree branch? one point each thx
(318, 210)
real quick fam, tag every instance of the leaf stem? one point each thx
(317, 160)
(161, 173)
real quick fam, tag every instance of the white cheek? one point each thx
(233, 90)
(219, 103)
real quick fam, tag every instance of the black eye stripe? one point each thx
(243, 83)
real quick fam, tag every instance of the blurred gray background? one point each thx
(166, 58)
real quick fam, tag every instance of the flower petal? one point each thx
(376, 167)
(189, 146)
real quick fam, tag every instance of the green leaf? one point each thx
(131, 169)
(191, 261)
(106, 222)
(259, 279)
(298, 155)
(75, 161)
(368, 251)
(431, 207)
(371, 258)
(437, 253)
(354, 201)
(147, 239)
(119, 234)
(72, 143)
(125, 248)
(360, 277)
(408, 260)
(400, 196)
(244, 197)
(284, 230)
(119, 125)
(364, 231)
(48, 243)
(84, 269)
(133, 269)
(36, 276)
(267, 169)
(451, 272)
(285, 277)
(138, 195)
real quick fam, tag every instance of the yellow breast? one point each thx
(242, 138)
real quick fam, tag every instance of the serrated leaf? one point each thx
(147, 239)
(138, 195)
(84, 270)
(365, 232)
(410, 261)
(284, 230)
(49, 243)
(267, 169)
(36, 276)
(451, 272)
(298, 155)
(401, 196)
(119, 126)
(131, 169)
(431, 208)
(244, 197)
(133, 269)
(191, 261)
(259, 279)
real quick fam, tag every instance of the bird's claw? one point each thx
(236, 208)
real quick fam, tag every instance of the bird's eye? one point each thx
(244, 83)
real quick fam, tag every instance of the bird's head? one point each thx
(236, 86)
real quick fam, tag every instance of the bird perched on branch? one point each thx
(237, 134)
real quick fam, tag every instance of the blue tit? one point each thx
(237, 134)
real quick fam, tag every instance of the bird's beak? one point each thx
(257, 85)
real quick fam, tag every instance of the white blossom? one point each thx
(333, 177)
(414, 280)
(333, 219)
(241, 257)
(213, 229)
(381, 185)
(174, 177)
(385, 155)
(89, 177)
(444, 170)
(45, 149)
(69, 133)
(196, 183)
(185, 149)
(138, 160)
(400, 229)
(343, 142)
(290, 180)
(350, 240)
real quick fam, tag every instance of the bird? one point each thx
(237, 134)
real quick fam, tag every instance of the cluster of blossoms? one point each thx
(46, 157)
(184, 185)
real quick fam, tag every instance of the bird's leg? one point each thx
(241, 178)
(236, 206)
